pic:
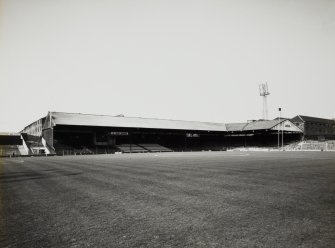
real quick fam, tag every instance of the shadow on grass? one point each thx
(10, 177)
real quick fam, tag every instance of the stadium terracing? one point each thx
(75, 133)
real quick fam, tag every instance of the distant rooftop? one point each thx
(304, 118)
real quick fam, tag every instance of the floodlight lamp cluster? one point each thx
(264, 90)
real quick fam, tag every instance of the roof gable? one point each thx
(287, 126)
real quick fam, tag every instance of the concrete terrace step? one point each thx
(131, 148)
(155, 148)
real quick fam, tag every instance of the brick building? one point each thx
(315, 128)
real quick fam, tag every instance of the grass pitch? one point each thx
(208, 199)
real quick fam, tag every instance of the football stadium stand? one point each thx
(75, 133)
(9, 150)
(11, 144)
(314, 145)
(62, 133)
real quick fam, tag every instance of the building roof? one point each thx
(303, 118)
(235, 127)
(78, 119)
(9, 134)
(254, 125)
(286, 125)
(282, 118)
(261, 125)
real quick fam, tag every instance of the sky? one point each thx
(173, 59)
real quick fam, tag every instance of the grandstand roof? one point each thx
(9, 134)
(233, 127)
(254, 125)
(261, 125)
(78, 119)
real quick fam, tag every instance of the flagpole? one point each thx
(279, 129)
